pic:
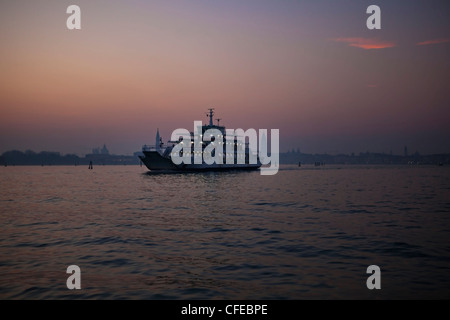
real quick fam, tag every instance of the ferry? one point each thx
(158, 157)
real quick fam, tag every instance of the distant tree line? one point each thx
(30, 157)
(296, 157)
(48, 158)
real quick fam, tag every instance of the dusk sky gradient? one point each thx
(309, 68)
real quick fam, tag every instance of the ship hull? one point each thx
(154, 161)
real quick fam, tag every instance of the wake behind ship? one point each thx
(159, 156)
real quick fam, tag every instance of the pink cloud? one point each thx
(435, 41)
(366, 43)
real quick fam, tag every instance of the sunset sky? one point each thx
(309, 68)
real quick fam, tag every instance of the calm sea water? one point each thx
(305, 233)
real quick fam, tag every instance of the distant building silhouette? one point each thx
(103, 150)
(157, 140)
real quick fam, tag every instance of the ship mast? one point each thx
(210, 115)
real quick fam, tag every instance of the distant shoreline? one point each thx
(46, 158)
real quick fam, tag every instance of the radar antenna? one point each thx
(210, 114)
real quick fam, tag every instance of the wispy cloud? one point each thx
(434, 41)
(366, 43)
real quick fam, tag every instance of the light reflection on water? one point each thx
(304, 233)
